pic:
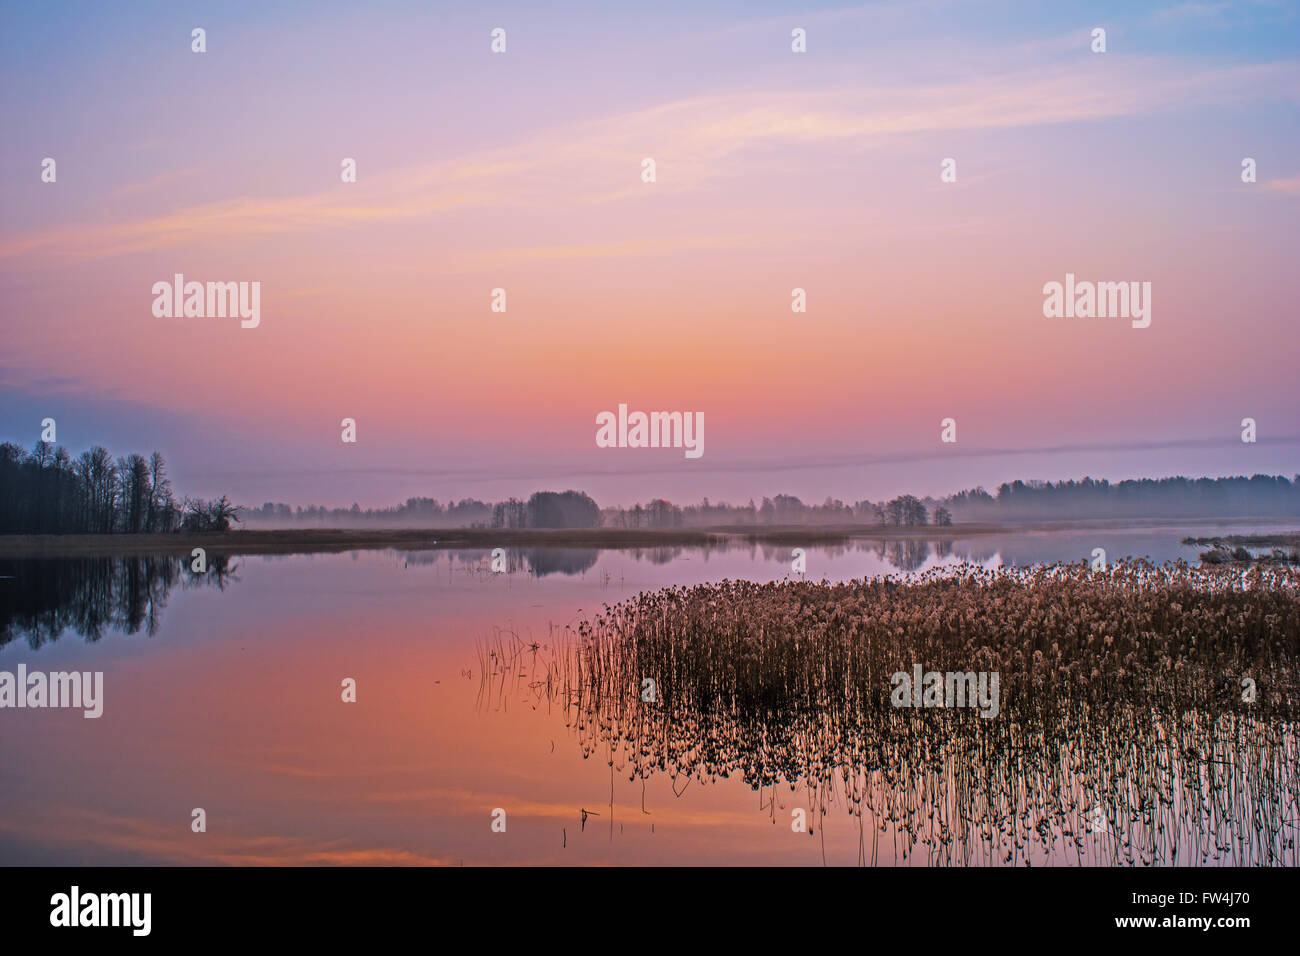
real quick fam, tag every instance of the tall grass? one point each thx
(1122, 735)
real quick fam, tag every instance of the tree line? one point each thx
(544, 509)
(413, 513)
(902, 511)
(1087, 498)
(1176, 497)
(47, 491)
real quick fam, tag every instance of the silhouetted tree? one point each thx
(569, 509)
(47, 492)
(214, 515)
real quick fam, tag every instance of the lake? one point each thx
(222, 691)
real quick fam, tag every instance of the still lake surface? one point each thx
(224, 694)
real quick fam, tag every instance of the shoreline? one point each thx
(335, 540)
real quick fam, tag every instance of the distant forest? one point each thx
(544, 509)
(46, 491)
(1262, 496)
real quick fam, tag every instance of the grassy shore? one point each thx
(303, 541)
(336, 540)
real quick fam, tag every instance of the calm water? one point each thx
(223, 692)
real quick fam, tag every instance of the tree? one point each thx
(509, 514)
(133, 494)
(98, 474)
(200, 515)
(221, 512)
(915, 513)
(663, 514)
(160, 495)
(894, 511)
(569, 509)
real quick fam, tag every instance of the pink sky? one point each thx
(774, 171)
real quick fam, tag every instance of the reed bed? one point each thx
(1122, 735)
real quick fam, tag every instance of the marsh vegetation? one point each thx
(1148, 712)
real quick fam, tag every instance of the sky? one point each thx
(774, 171)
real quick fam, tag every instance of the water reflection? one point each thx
(42, 598)
(570, 561)
(239, 699)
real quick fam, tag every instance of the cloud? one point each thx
(160, 842)
(1220, 14)
(1287, 187)
(146, 185)
(785, 463)
(1190, 11)
(694, 141)
(650, 246)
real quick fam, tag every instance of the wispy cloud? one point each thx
(1239, 13)
(763, 465)
(871, 13)
(693, 140)
(1287, 187)
(153, 182)
(160, 843)
(1190, 11)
